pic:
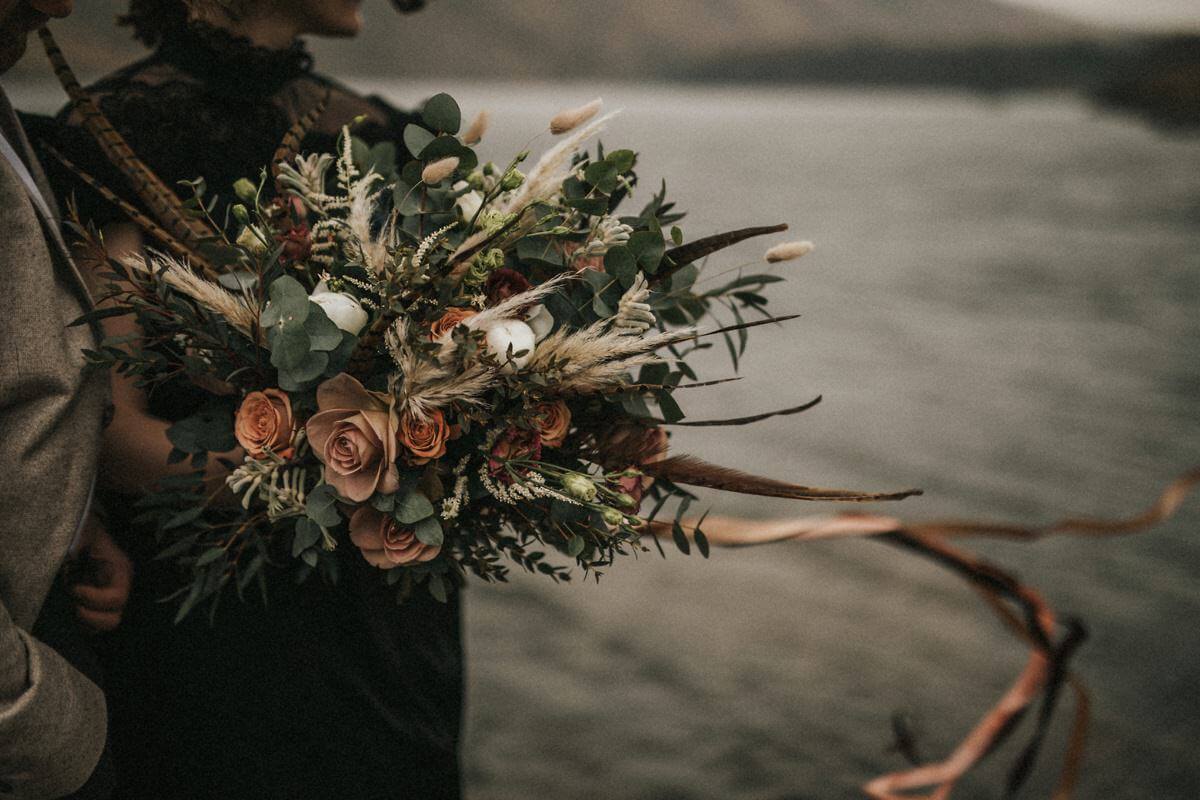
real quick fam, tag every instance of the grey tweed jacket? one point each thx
(52, 718)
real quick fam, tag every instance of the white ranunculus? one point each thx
(510, 333)
(541, 321)
(342, 309)
(469, 203)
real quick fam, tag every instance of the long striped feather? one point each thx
(695, 472)
(136, 216)
(157, 196)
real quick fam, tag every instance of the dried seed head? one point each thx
(437, 171)
(474, 133)
(788, 251)
(572, 118)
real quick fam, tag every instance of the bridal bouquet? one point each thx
(447, 365)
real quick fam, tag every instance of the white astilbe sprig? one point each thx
(528, 488)
(235, 309)
(427, 244)
(452, 505)
(347, 172)
(634, 315)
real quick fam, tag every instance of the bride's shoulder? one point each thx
(381, 120)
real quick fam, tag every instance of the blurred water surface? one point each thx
(1003, 310)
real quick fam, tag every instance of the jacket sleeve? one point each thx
(52, 719)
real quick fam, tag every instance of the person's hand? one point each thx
(101, 579)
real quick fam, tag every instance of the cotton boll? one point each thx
(511, 332)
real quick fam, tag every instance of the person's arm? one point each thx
(136, 447)
(43, 699)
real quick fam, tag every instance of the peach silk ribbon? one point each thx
(1045, 669)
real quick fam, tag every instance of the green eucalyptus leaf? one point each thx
(622, 160)
(413, 508)
(290, 349)
(670, 409)
(322, 333)
(620, 263)
(416, 139)
(308, 533)
(437, 588)
(312, 368)
(441, 113)
(649, 248)
(291, 300)
(339, 358)
(321, 506)
(429, 532)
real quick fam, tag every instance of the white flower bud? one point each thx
(572, 118)
(788, 251)
(474, 134)
(469, 203)
(342, 309)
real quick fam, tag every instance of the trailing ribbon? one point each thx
(1020, 608)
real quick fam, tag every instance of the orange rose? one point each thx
(551, 420)
(425, 439)
(264, 422)
(354, 436)
(449, 321)
(384, 543)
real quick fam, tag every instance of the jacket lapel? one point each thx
(40, 196)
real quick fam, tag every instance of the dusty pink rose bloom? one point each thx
(384, 543)
(354, 435)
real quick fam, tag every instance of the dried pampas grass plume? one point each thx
(234, 308)
(437, 171)
(788, 251)
(474, 133)
(572, 118)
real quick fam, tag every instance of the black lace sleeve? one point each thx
(208, 105)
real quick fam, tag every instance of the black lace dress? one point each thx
(324, 692)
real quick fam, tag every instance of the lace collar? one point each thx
(231, 63)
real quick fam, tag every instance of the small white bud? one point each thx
(788, 251)
(572, 118)
(437, 171)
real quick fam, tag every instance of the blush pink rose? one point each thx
(354, 435)
(384, 543)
